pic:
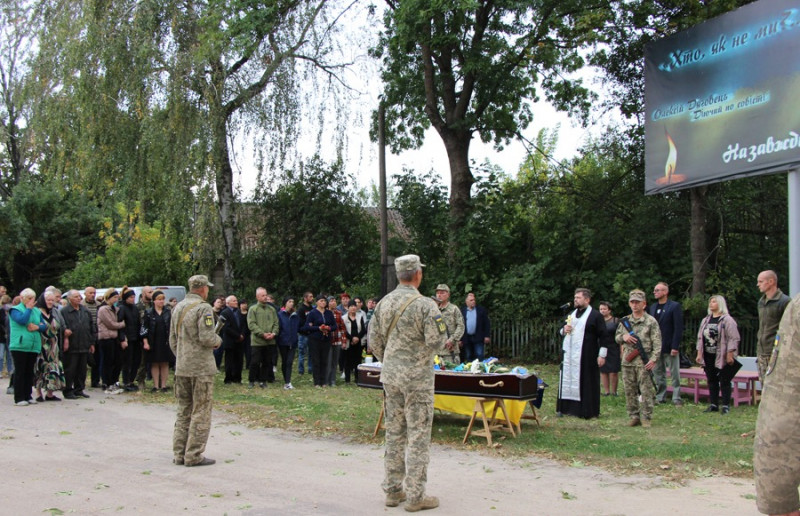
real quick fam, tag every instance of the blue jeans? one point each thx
(5, 357)
(473, 348)
(302, 353)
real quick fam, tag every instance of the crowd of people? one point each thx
(119, 342)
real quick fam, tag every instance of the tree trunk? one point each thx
(223, 173)
(461, 178)
(699, 239)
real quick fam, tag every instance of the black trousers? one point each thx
(352, 359)
(75, 371)
(234, 361)
(262, 360)
(112, 360)
(23, 374)
(287, 359)
(133, 360)
(318, 351)
(715, 381)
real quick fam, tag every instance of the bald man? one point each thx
(770, 310)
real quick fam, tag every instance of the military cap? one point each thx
(199, 281)
(408, 262)
(637, 295)
(442, 286)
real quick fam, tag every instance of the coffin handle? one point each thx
(490, 386)
(373, 375)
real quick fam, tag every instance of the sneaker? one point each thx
(288, 387)
(342, 376)
(10, 390)
(725, 409)
(22, 404)
(677, 403)
(645, 423)
(262, 385)
(711, 408)
(395, 499)
(31, 401)
(109, 390)
(429, 502)
(634, 421)
(251, 385)
(40, 399)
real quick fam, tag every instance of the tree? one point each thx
(470, 67)
(17, 24)
(42, 230)
(309, 234)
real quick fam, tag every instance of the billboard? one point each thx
(722, 99)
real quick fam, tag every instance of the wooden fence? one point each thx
(537, 340)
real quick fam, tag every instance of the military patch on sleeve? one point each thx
(440, 323)
(209, 320)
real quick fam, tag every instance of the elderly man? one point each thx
(79, 338)
(95, 361)
(406, 332)
(233, 339)
(477, 329)
(770, 310)
(454, 322)
(262, 319)
(193, 339)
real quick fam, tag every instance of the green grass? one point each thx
(683, 442)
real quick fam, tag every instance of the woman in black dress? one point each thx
(609, 372)
(155, 330)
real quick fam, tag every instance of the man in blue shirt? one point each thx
(478, 330)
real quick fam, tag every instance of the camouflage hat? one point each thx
(409, 262)
(637, 295)
(442, 286)
(199, 281)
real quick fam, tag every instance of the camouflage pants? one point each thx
(453, 358)
(637, 381)
(409, 415)
(776, 450)
(762, 362)
(193, 424)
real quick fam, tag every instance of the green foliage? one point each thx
(135, 254)
(310, 234)
(42, 230)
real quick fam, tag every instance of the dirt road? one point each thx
(107, 455)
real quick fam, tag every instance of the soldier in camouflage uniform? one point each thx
(193, 339)
(634, 372)
(776, 458)
(405, 333)
(454, 322)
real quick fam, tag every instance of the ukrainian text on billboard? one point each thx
(722, 99)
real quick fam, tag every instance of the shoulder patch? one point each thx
(209, 320)
(440, 323)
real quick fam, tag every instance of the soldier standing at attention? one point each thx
(770, 310)
(193, 339)
(776, 457)
(454, 322)
(634, 376)
(405, 333)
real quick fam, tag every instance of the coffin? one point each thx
(509, 386)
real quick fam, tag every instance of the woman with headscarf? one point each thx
(155, 332)
(718, 346)
(48, 371)
(25, 343)
(108, 329)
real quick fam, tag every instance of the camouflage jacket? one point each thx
(454, 322)
(420, 333)
(646, 328)
(192, 337)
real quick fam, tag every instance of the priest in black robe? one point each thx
(579, 382)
